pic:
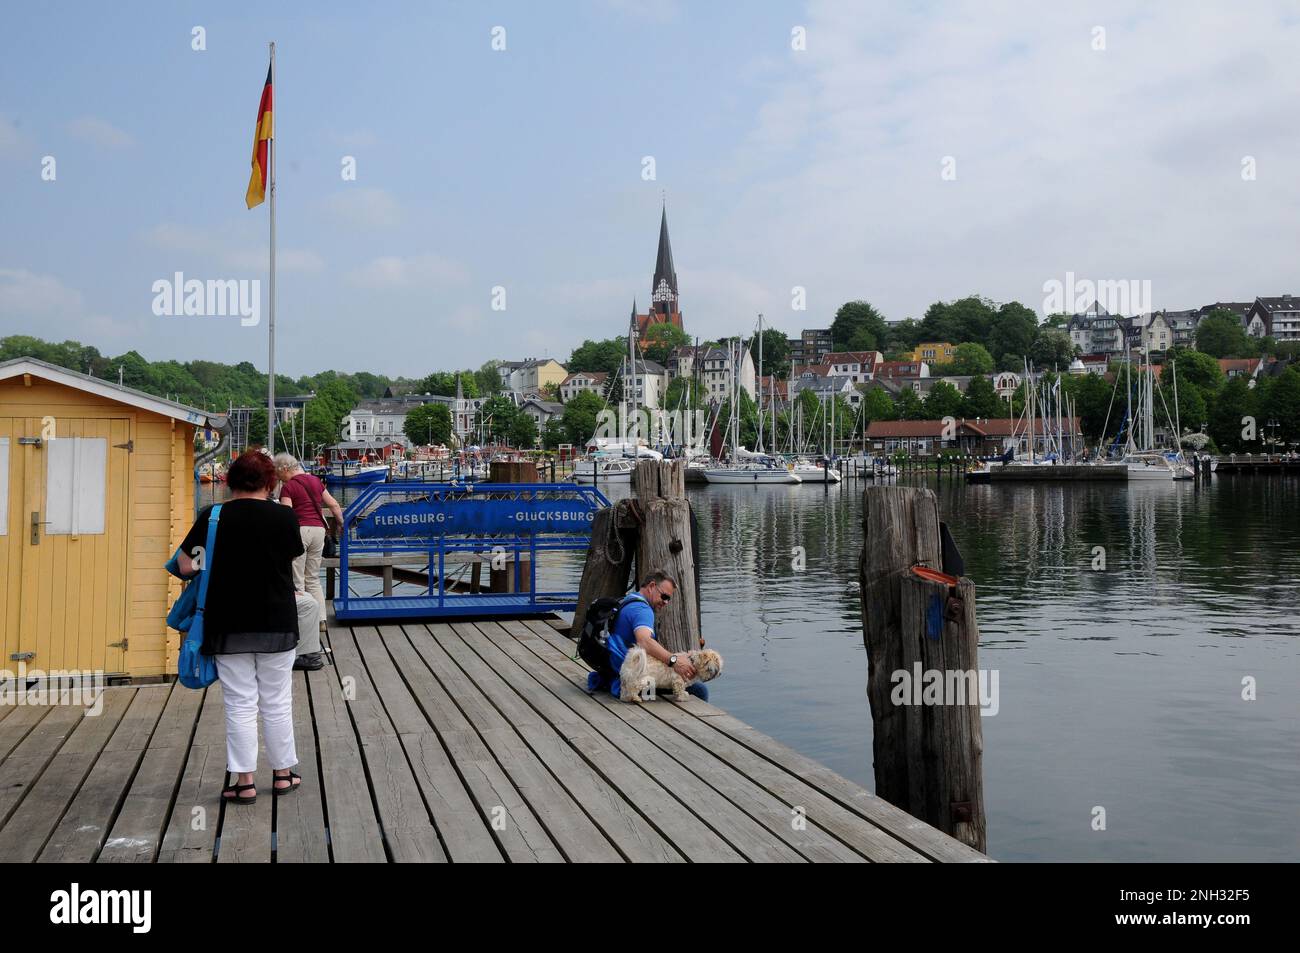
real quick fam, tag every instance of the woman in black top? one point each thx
(251, 620)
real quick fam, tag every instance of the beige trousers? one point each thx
(306, 568)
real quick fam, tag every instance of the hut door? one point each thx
(66, 544)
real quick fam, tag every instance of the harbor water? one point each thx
(1126, 624)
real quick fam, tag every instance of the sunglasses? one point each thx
(665, 596)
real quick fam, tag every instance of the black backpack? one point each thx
(593, 641)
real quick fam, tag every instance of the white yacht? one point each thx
(753, 473)
(809, 471)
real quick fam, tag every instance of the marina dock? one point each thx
(437, 742)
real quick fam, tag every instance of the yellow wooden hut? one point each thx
(96, 491)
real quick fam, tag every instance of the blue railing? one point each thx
(458, 523)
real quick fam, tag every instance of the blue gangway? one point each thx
(454, 524)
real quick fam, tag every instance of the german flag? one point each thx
(263, 133)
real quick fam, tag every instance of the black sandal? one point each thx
(291, 777)
(231, 793)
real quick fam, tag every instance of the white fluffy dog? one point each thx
(642, 676)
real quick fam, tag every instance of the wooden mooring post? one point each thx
(655, 528)
(923, 680)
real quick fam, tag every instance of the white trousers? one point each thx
(253, 682)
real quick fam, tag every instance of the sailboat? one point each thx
(744, 466)
(1145, 461)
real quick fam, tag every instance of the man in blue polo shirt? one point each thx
(635, 625)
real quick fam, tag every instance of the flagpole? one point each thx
(270, 361)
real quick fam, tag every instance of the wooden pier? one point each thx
(441, 742)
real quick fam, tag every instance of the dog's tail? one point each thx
(634, 666)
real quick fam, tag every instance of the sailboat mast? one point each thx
(759, 447)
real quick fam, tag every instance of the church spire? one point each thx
(663, 287)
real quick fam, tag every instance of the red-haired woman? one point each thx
(251, 620)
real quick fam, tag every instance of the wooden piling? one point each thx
(503, 580)
(609, 563)
(928, 757)
(665, 543)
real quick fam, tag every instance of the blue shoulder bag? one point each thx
(194, 669)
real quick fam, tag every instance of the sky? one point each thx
(897, 153)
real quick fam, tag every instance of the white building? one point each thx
(594, 382)
(385, 417)
(858, 366)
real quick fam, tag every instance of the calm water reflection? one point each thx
(1118, 688)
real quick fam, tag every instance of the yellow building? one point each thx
(932, 352)
(96, 490)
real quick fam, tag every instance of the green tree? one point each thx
(981, 400)
(605, 356)
(523, 432)
(944, 400)
(1220, 334)
(876, 405)
(443, 384)
(970, 358)
(909, 406)
(1193, 367)
(1227, 416)
(776, 353)
(1013, 332)
(852, 318)
(428, 424)
(966, 319)
(902, 336)
(1053, 348)
(497, 415)
(488, 379)
(1279, 407)
(677, 389)
(661, 338)
(580, 417)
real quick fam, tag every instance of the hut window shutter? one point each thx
(75, 485)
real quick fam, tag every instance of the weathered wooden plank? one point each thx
(515, 828)
(465, 834)
(41, 810)
(138, 828)
(916, 834)
(595, 782)
(81, 832)
(407, 826)
(765, 815)
(18, 725)
(246, 828)
(354, 831)
(656, 784)
(300, 817)
(32, 755)
(196, 818)
(573, 831)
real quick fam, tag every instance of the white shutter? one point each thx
(4, 486)
(75, 492)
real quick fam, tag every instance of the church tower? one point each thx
(665, 305)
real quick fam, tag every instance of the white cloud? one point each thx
(23, 293)
(364, 207)
(416, 271)
(1122, 163)
(100, 132)
(203, 249)
(43, 306)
